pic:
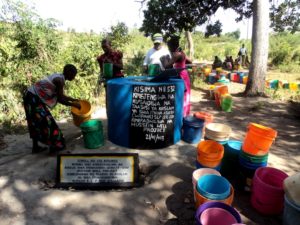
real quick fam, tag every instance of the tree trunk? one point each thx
(190, 42)
(260, 45)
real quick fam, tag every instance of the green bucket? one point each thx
(153, 69)
(108, 70)
(92, 131)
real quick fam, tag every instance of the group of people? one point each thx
(49, 91)
(242, 60)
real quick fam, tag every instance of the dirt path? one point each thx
(27, 195)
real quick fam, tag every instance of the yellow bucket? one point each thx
(82, 115)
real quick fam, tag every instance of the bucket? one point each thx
(200, 199)
(212, 78)
(219, 216)
(92, 131)
(217, 205)
(83, 114)
(258, 139)
(217, 131)
(241, 76)
(108, 70)
(291, 187)
(226, 102)
(207, 117)
(254, 158)
(267, 190)
(192, 129)
(291, 212)
(293, 86)
(245, 79)
(213, 187)
(199, 172)
(232, 150)
(206, 71)
(210, 153)
(153, 69)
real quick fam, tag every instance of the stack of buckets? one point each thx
(230, 160)
(92, 130)
(210, 186)
(218, 132)
(223, 98)
(267, 194)
(254, 152)
(209, 154)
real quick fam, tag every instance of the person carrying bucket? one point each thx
(110, 62)
(152, 64)
(179, 60)
(37, 98)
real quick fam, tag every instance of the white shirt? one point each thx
(153, 56)
(243, 51)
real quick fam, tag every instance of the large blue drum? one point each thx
(144, 114)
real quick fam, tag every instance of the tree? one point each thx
(118, 35)
(286, 16)
(214, 29)
(235, 34)
(177, 15)
(260, 45)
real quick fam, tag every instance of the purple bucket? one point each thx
(221, 205)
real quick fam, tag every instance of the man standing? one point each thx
(243, 53)
(154, 55)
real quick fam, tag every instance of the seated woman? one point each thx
(217, 63)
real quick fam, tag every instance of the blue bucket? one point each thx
(192, 129)
(232, 148)
(212, 78)
(251, 165)
(213, 187)
(199, 166)
(241, 75)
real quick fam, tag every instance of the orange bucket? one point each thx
(210, 153)
(258, 139)
(219, 91)
(82, 115)
(199, 199)
(207, 117)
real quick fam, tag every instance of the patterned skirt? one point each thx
(41, 124)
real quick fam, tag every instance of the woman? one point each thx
(111, 56)
(179, 61)
(43, 94)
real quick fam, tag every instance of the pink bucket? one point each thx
(267, 195)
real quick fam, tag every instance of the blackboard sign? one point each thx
(152, 116)
(90, 171)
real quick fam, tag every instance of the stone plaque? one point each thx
(96, 171)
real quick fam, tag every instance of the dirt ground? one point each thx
(27, 196)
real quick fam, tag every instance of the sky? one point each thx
(100, 15)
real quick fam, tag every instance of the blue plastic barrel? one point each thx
(119, 108)
(192, 129)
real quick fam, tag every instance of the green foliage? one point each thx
(213, 29)
(286, 16)
(119, 36)
(235, 34)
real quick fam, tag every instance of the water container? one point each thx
(83, 114)
(226, 102)
(108, 70)
(215, 166)
(210, 153)
(213, 187)
(153, 69)
(241, 76)
(267, 195)
(212, 78)
(192, 129)
(92, 131)
(258, 139)
(291, 213)
(274, 84)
